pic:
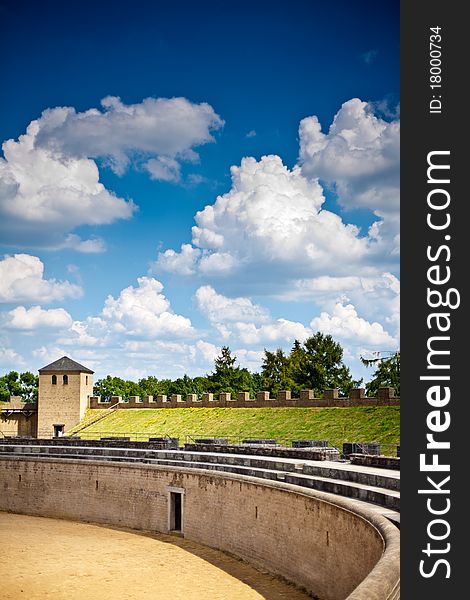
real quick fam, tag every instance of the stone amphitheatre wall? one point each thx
(323, 543)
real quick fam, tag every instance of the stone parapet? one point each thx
(307, 399)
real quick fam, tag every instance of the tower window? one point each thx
(54, 380)
(86, 379)
(65, 379)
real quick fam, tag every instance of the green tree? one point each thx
(182, 385)
(15, 384)
(318, 365)
(167, 386)
(200, 386)
(276, 372)
(115, 386)
(131, 388)
(227, 377)
(296, 358)
(151, 386)
(257, 384)
(29, 386)
(387, 373)
(11, 385)
(4, 391)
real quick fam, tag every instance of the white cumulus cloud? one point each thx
(249, 359)
(91, 332)
(250, 323)
(145, 311)
(360, 154)
(271, 221)
(376, 298)
(50, 353)
(359, 158)
(140, 322)
(326, 286)
(45, 195)
(163, 168)
(182, 263)
(38, 318)
(22, 280)
(208, 351)
(49, 180)
(345, 324)
(220, 309)
(10, 359)
(280, 330)
(91, 246)
(159, 128)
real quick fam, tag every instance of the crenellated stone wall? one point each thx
(385, 397)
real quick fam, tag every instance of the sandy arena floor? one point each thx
(62, 560)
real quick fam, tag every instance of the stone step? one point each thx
(375, 477)
(386, 498)
(334, 469)
(368, 493)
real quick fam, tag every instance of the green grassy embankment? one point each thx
(356, 424)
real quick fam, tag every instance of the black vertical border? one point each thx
(423, 132)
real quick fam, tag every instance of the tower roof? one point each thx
(65, 364)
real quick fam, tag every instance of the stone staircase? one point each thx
(378, 488)
(84, 423)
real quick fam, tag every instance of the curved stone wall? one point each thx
(323, 543)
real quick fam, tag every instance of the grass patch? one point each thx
(379, 424)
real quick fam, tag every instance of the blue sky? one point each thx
(180, 177)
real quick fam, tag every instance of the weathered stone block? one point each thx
(386, 393)
(357, 393)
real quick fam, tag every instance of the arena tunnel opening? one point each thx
(175, 512)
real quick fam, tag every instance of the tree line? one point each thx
(19, 384)
(315, 364)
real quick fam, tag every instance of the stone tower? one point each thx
(64, 389)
